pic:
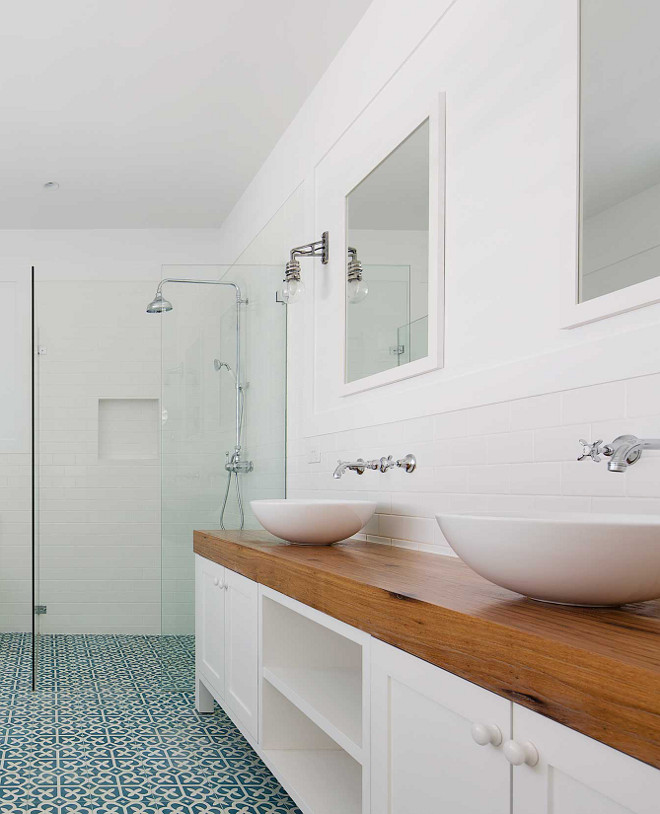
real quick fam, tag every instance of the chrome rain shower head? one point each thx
(159, 305)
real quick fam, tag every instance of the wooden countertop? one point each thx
(597, 671)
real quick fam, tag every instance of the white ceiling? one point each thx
(151, 113)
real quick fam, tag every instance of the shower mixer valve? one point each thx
(233, 463)
(408, 463)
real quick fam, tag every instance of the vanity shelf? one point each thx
(317, 668)
(321, 776)
(314, 681)
(330, 698)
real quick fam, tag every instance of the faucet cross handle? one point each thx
(591, 450)
(386, 463)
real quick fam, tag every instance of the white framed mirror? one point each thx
(618, 265)
(387, 280)
(392, 297)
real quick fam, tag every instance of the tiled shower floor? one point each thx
(101, 734)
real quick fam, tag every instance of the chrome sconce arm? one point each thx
(293, 288)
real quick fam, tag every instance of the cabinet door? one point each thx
(210, 623)
(578, 775)
(424, 757)
(242, 599)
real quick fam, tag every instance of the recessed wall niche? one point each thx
(128, 429)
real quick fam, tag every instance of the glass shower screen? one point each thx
(202, 427)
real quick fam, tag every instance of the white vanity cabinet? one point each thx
(210, 626)
(576, 774)
(423, 754)
(226, 632)
(440, 743)
(241, 648)
(351, 725)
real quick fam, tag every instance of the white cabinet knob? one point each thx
(216, 581)
(485, 734)
(519, 753)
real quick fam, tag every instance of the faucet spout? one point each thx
(356, 466)
(339, 469)
(625, 453)
(627, 450)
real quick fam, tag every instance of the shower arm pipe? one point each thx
(239, 301)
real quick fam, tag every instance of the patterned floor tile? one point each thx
(112, 729)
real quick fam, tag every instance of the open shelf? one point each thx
(321, 776)
(320, 694)
(328, 782)
(318, 670)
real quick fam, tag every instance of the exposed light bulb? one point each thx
(292, 291)
(356, 290)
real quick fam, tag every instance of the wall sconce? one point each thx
(293, 287)
(356, 288)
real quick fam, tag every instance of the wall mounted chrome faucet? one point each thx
(624, 451)
(408, 463)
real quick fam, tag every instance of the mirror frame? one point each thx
(575, 313)
(435, 114)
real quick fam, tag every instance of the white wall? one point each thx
(96, 252)
(100, 520)
(497, 427)
(99, 477)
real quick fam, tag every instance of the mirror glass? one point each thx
(387, 217)
(619, 145)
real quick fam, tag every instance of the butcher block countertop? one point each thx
(596, 671)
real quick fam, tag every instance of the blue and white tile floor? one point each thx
(106, 734)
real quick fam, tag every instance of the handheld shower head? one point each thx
(218, 364)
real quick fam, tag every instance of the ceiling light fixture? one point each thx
(51, 186)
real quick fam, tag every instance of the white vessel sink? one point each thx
(313, 522)
(570, 559)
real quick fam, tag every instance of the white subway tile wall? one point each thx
(98, 502)
(15, 539)
(517, 456)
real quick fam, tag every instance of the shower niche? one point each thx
(128, 429)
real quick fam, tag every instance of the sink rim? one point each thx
(565, 558)
(576, 518)
(313, 521)
(303, 501)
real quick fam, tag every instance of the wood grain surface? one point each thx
(594, 670)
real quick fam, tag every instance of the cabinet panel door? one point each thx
(210, 623)
(242, 602)
(578, 775)
(424, 758)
